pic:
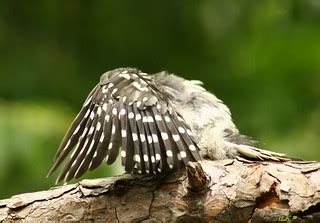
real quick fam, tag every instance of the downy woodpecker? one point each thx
(158, 122)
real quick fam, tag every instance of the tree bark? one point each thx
(215, 191)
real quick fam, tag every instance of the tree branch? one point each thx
(225, 190)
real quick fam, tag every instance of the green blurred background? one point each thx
(262, 58)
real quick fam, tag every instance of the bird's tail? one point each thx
(253, 153)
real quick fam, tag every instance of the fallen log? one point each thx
(215, 191)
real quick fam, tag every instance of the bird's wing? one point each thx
(126, 109)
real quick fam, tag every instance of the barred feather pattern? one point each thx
(126, 113)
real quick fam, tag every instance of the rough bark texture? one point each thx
(229, 191)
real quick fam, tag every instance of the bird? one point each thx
(156, 122)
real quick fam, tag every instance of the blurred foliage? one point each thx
(261, 57)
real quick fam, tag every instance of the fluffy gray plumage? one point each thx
(159, 123)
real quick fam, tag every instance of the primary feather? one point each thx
(126, 109)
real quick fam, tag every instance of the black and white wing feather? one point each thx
(126, 111)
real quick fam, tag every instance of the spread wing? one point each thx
(126, 111)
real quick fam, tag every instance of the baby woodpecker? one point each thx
(157, 122)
